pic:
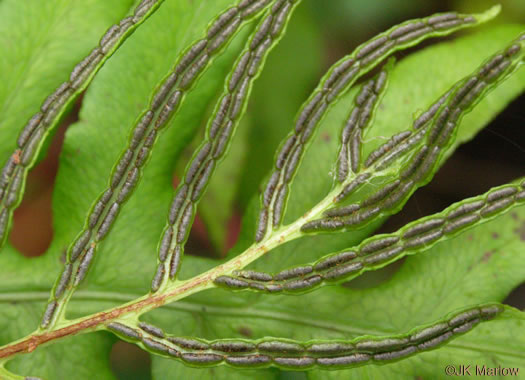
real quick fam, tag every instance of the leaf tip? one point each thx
(489, 14)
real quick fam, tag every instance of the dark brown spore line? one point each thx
(352, 186)
(254, 8)
(337, 72)
(222, 21)
(377, 54)
(197, 162)
(162, 93)
(423, 239)
(124, 330)
(231, 282)
(176, 259)
(239, 98)
(342, 270)
(351, 124)
(188, 58)
(7, 172)
(279, 205)
(153, 330)
(189, 343)
(342, 82)
(108, 221)
(29, 151)
(301, 284)
(12, 194)
(293, 273)
(253, 275)
(220, 115)
(375, 346)
(280, 346)
(29, 128)
(169, 109)
(184, 224)
(342, 211)
(355, 151)
(248, 360)
(4, 218)
(383, 255)
(129, 185)
(165, 244)
(394, 355)
(335, 260)
(280, 19)
(48, 314)
(232, 346)
(140, 129)
(110, 38)
(54, 96)
(193, 71)
(270, 188)
(202, 358)
(496, 206)
(447, 24)
(257, 57)
(331, 348)
(302, 362)
(292, 163)
(285, 151)
(304, 116)
(458, 223)
(381, 193)
(143, 8)
(261, 33)
(342, 164)
(387, 147)
(371, 46)
(512, 50)
(65, 279)
(314, 119)
(223, 35)
(79, 245)
(423, 227)
(465, 208)
(202, 181)
(406, 28)
(158, 277)
(377, 245)
(343, 360)
(501, 193)
(262, 225)
(85, 263)
(121, 168)
(142, 156)
(176, 205)
(155, 346)
(429, 332)
(239, 71)
(79, 78)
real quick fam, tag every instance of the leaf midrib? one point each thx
(87, 295)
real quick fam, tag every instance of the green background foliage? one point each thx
(42, 41)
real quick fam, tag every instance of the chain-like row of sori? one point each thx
(291, 354)
(376, 252)
(33, 134)
(126, 174)
(437, 139)
(339, 79)
(365, 102)
(220, 129)
(396, 147)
